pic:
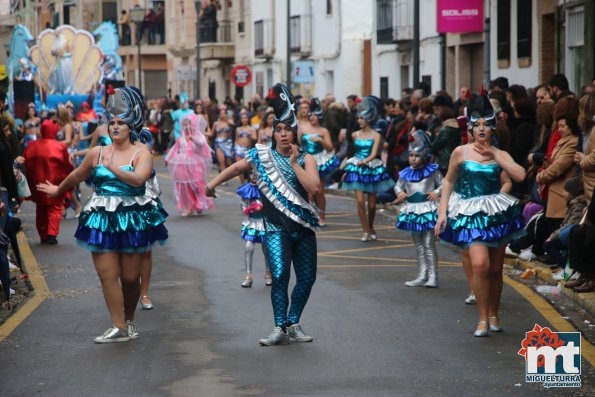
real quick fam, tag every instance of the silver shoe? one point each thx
(113, 334)
(268, 280)
(247, 283)
(432, 282)
(373, 235)
(132, 330)
(365, 237)
(146, 306)
(418, 282)
(495, 328)
(470, 299)
(276, 337)
(297, 334)
(480, 333)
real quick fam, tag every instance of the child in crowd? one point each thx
(252, 228)
(419, 187)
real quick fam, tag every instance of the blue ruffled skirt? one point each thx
(491, 220)
(417, 216)
(327, 163)
(369, 178)
(130, 224)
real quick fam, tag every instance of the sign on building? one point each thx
(303, 72)
(459, 16)
(241, 75)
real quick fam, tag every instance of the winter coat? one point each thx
(445, 143)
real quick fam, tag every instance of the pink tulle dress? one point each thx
(189, 163)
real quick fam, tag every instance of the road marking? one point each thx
(552, 315)
(385, 247)
(41, 290)
(339, 214)
(381, 240)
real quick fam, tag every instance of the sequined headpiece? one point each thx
(419, 143)
(316, 108)
(368, 108)
(283, 105)
(480, 107)
(128, 104)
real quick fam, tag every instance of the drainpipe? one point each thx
(486, 52)
(416, 43)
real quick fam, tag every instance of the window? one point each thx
(241, 27)
(384, 21)
(109, 11)
(524, 26)
(329, 7)
(503, 34)
(383, 87)
(294, 40)
(259, 37)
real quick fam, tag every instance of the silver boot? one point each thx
(422, 276)
(431, 256)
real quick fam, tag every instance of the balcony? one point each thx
(263, 38)
(301, 35)
(217, 43)
(394, 21)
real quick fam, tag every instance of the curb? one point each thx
(586, 300)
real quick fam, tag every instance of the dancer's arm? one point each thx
(237, 168)
(142, 168)
(504, 160)
(506, 182)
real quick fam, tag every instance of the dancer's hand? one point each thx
(294, 154)
(440, 225)
(402, 196)
(432, 196)
(485, 151)
(48, 188)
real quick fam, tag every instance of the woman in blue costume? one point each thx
(120, 222)
(253, 231)
(480, 217)
(245, 138)
(265, 133)
(419, 185)
(223, 141)
(316, 140)
(286, 177)
(364, 173)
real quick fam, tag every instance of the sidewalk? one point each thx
(543, 274)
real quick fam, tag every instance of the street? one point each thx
(373, 336)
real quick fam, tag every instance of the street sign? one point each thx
(303, 72)
(241, 75)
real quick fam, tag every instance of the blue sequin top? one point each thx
(309, 146)
(107, 184)
(363, 148)
(476, 179)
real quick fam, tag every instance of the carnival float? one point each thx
(63, 65)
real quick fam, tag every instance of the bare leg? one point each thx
(480, 263)
(130, 279)
(221, 159)
(145, 277)
(467, 267)
(495, 280)
(242, 177)
(372, 213)
(321, 204)
(361, 210)
(108, 269)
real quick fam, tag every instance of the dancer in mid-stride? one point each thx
(481, 218)
(419, 186)
(253, 231)
(286, 177)
(365, 173)
(120, 222)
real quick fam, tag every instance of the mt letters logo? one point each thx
(552, 358)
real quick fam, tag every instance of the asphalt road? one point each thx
(373, 336)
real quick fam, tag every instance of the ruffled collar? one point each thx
(417, 174)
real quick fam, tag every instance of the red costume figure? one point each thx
(86, 113)
(47, 160)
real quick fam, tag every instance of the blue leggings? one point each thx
(282, 249)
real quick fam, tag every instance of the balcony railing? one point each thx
(394, 21)
(301, 34)
(263, 38)
(220, 33)
(221, 48)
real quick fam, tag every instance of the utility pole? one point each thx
(289, 45)
(197, 4)
(415, 43)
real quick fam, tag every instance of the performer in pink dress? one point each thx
(189, 163)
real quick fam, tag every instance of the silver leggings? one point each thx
(427, 256)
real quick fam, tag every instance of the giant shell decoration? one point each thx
(86, 57)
